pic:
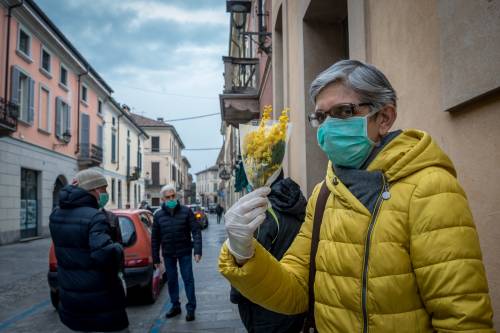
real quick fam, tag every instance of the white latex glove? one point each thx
(242, 219)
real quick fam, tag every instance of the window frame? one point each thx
(25, 56)
(65, 86)
(44, 71)
(100, 105)
(63, 122)
(21, 98)
(46, 129)
(84, 87)
(152, 145)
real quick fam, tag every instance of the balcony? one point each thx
(90, 155)
(9, 112)
(239, 101)
(135, 175)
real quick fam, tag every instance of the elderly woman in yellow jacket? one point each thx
(398, 249)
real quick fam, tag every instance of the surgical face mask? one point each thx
(103, 199)
(346, 141)
(171, 203)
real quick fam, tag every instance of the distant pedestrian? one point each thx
(89, 261)
(177, 232)
(219, 210)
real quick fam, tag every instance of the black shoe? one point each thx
(173, 312)
(190, 316)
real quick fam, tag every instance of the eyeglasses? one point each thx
(340, 111)
(169, 197)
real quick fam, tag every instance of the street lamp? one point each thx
(238, 9)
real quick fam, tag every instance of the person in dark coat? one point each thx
(145, 205)
(219, 210)
(176, 230)
(276, 233)
(92, 297)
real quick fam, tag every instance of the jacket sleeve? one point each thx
(280, 286)
(156, 239)
(103, 251)
(195, 233)
(446, 256)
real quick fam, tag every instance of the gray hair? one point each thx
(167, 188)
(366, 80)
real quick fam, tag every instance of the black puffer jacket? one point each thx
(176, 231)
(91, 294)
(289, 206)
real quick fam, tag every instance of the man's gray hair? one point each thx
(167, 188)
(366, 80)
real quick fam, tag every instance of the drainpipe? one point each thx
(9, 15)
(78, 109)
(118, 142)
(261, 23)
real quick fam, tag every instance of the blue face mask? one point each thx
(171, 204)
(345, 141)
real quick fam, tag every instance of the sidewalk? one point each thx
(214, 312)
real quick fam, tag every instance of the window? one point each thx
(45, 64)
(155, 144)
(127, 230)
(23, 94)
(174, 173)
(99, 108)
(113, 198)
(44, 109)
(215, 187)
(155, 173)
(113, 121)
(63, 118)
(63, 77)
(119, 194)
(155, 202)
(84, 93)
(24, 43)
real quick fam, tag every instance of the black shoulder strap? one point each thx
(318, 217)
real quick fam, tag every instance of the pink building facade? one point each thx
(58, 99)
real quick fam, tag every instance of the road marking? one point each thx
(34, 309)
(156, 328)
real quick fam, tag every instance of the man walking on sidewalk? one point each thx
(219, 210)
(89, 261)
(177, 231)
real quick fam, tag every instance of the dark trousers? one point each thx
(259, 320)
(218, 218)
(186, 267)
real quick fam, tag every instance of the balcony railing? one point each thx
(90, 155)
(135, 175)
(9, 112)
(241, 75)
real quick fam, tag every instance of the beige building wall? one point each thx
(433, 52)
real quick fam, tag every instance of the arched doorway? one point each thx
(58, 185)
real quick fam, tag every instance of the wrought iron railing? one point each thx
(9, 112)
(241, 75)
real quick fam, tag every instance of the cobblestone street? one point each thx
(25, 305)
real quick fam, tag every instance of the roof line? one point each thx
(66, 41)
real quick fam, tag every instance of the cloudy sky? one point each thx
(163, 58)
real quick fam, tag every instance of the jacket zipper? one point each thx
(383, 195)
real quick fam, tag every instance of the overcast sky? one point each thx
(163, 58)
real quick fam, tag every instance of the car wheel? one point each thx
(54, 299)
(150, 293)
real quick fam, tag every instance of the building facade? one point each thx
(50, 118)
(162, 157)
(207, 186)
(123, 157)
(248, 84)
(443, 59)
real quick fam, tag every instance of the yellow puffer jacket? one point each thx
(414, 266)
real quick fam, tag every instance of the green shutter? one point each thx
(31, 101)
(58, 118)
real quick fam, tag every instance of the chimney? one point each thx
(126, 108)
(160, 119)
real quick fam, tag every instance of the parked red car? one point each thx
(135, 226)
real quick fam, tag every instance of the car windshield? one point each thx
(195, 208)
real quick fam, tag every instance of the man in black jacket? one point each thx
(177, 231)
(276, 233)
(91, 293)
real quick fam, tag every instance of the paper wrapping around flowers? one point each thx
(263, 148)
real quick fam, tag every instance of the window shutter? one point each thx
(67, 109)
(113, 147)
(84, 139)
(99, 136)
(58, 118)
(31, 102)
(14, 91)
